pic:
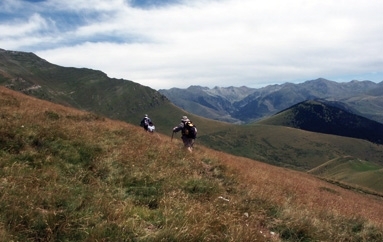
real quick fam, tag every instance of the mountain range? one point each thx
(275, 124)
(246, 105)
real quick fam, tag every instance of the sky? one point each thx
(179, 43)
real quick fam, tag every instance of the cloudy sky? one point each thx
(178, 43)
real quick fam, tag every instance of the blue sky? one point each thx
(178, 43)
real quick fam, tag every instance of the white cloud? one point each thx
(209, 43)
(21, 29)
(85, 5)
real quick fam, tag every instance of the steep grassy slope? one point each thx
(81, 88)
(169, 116)
(68, 175)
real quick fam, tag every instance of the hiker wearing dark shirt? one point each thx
(189, 132)
(145, 122)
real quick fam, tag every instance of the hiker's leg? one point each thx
(190, 143)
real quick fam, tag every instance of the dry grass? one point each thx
(68, 175)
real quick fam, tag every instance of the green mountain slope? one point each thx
(81, 88)
(290, 147)
(69, 175)
(353, 171)
(92, 90)
(323, 117)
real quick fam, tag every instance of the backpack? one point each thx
(190, 130)
(151, 127)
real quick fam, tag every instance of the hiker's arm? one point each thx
(178, 128)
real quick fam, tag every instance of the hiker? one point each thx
(145, 122)
(189, 132)
(151, 127)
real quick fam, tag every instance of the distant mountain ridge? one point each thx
(321, 117)
(364, 97)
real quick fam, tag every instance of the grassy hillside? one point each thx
(91, 90)
(325, 117)
(353, 171)
(69, 175)
(289, 147)
(124, 100)
(81, 88)
(169, 116)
